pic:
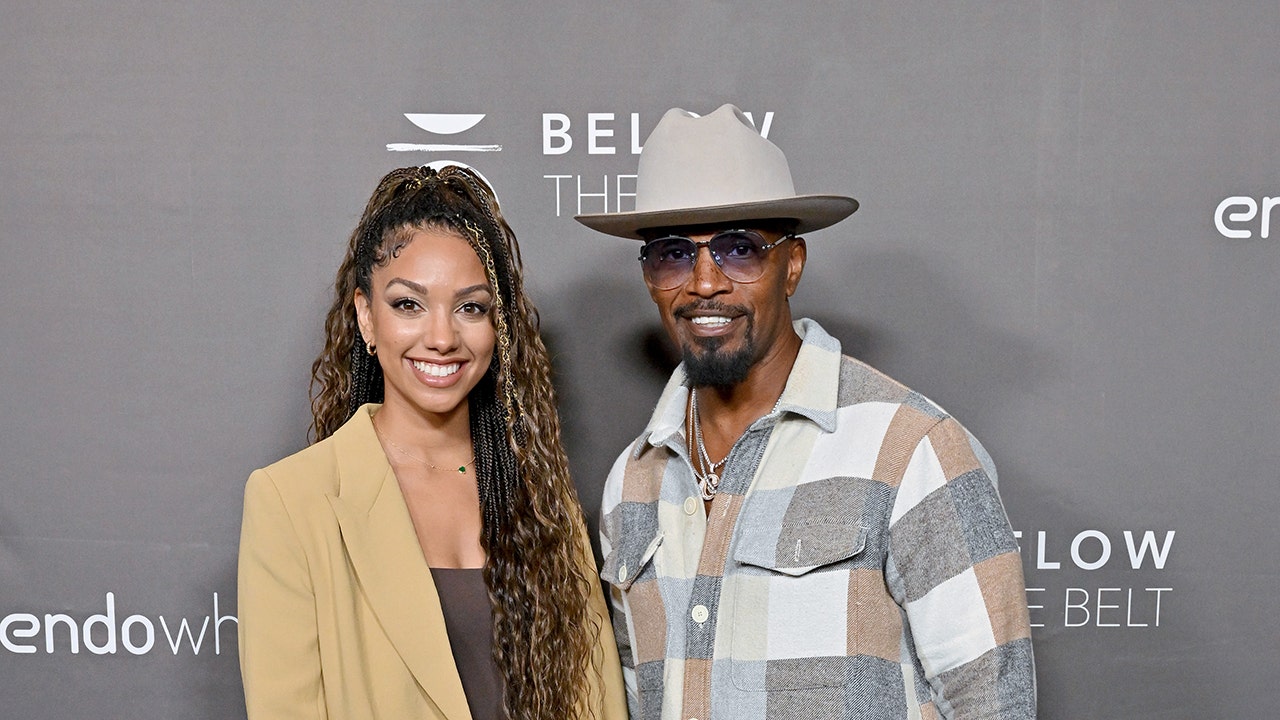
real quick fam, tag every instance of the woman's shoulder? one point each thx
(310, 471)
(314, 470)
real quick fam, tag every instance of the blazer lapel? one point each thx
(383, 548)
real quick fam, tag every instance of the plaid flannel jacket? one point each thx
(856, 562)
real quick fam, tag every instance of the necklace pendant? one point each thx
(462, 469)
(708, 485)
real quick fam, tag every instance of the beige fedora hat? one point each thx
(715, 169)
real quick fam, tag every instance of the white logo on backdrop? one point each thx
(594, 134)
(443, 124)
(1242, 211)
(1059, 594)
(558, 132)
(112, 631)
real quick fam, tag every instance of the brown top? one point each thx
(468, 618)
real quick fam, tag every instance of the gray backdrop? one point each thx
(1047, 246)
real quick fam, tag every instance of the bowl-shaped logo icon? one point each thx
(444, 123)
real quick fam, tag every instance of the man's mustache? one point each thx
(708, 306)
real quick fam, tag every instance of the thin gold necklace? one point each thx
(461, 468)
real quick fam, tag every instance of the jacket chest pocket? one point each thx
(792, 605)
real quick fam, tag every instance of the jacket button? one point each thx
(622, 572)
(700, 613)
(690, 505)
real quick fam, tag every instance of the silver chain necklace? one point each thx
(708, 482)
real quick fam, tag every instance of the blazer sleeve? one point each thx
(607, 694)
(279, 638)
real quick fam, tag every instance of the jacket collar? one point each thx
(812, 389)
(384, 551)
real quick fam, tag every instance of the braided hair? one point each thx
(537, 577)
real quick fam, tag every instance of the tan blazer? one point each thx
(339, 617)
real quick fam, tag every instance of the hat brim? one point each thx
(811, 212)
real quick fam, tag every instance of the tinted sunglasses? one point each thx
(668, 261)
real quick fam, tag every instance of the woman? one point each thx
(426, 557)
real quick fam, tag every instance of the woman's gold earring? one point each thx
(370, 348)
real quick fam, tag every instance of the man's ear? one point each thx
(797, 254)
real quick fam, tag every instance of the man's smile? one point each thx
(710, 319)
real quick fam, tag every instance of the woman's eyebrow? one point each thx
(422, 290)
(409, 284)
(482, 287)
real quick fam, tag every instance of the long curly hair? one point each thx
(543, 630)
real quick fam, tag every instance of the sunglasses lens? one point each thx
(740, 254)
(668, 261)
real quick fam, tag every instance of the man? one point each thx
(794, 535)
